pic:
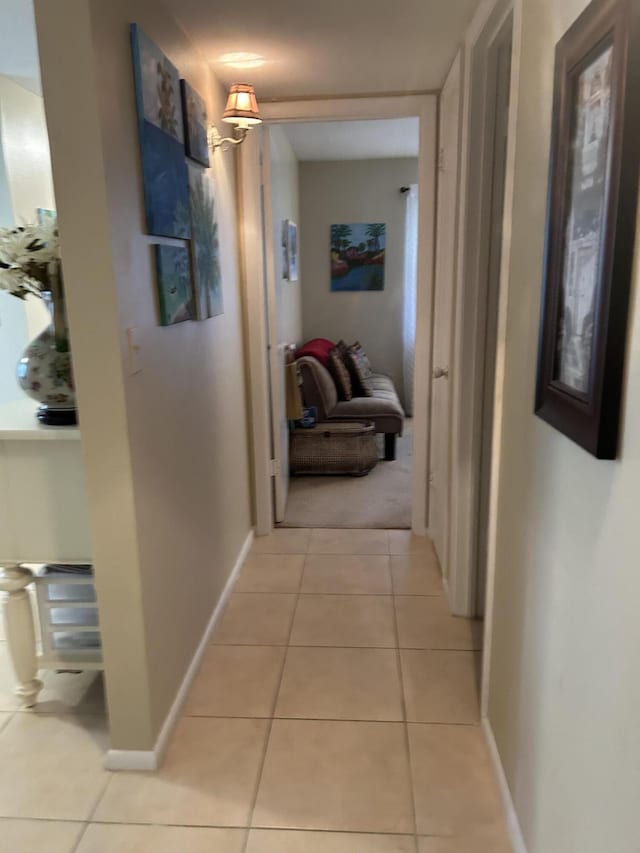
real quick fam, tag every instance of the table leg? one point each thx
(20, 631)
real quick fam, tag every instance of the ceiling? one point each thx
(18, 44)
(354, 140)
(333, 47)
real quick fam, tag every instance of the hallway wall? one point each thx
(333, 192)
(285, 204)
(165, 448)
(564, 688)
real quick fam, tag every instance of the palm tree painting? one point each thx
(205, 244)
(175, 292)
(196, 123)
(357, 256)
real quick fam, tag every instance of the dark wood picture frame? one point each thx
(591, 222)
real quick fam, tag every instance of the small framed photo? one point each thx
(593, 190)
(292, 245)
(289, 250)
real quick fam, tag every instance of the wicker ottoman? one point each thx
(334, 447)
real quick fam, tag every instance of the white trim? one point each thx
(469, 345)
(402, 106)
(513, 824)
(252, 271)
(496, 451)
(151, 759)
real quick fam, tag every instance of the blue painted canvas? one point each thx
(196, 124)
(205, 244)
(175, 293)
(358, 256)
(160, 123)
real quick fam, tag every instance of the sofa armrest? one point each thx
(318, 387)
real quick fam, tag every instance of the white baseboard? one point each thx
(133, 759)
(513, 824)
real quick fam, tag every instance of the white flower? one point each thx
(25, 254)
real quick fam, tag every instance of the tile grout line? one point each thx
(307, 646)
(265, 749)
(332, 719)
(405, 725)
(91, 814)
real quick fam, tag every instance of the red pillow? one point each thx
(318, 348)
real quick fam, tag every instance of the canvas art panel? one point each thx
(196, 124)
(161, 131)
(358, 256)
(205, 244)
(175, 292)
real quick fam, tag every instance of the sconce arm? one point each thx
(217, 141)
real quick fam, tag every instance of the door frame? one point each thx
(424, 107)
(471, 299)
(454, 77)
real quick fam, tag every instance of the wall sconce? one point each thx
(241, 111)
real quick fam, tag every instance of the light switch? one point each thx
(133, 351)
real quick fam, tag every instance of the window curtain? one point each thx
(410, 294)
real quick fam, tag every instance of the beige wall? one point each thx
(285, 205)
(25, 184)
(25, 147)
(564, 690)
(165, 449)
(355, 191)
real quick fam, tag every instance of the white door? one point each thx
(446, 252)
(276, 348)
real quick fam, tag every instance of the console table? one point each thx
(43, 519)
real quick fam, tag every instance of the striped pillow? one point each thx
(362, 370)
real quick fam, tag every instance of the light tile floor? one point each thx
(335, 711)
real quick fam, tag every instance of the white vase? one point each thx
(45, 371)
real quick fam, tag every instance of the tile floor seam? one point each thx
(81, 835)
(5, 723)
(91, 814)
(63, 820)
(273, 709)
(325, 720)
(339, 831)
(405, 726)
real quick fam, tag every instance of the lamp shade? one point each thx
(242, 106)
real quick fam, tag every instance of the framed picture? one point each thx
(285, 249)
(161, 132)
(292, 250)
(196, 124)
(175, 293)
(358, 256)
(591, 223)
(205, 244)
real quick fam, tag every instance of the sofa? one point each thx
(383, 408)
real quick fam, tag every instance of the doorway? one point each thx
(268, 454)
(484, 205)
(348, 192)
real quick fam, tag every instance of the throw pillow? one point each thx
(346, 358)
(319, 348)
(340, 374)
(362, 370)
(365, 359)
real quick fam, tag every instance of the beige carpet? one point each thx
(381, 499)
